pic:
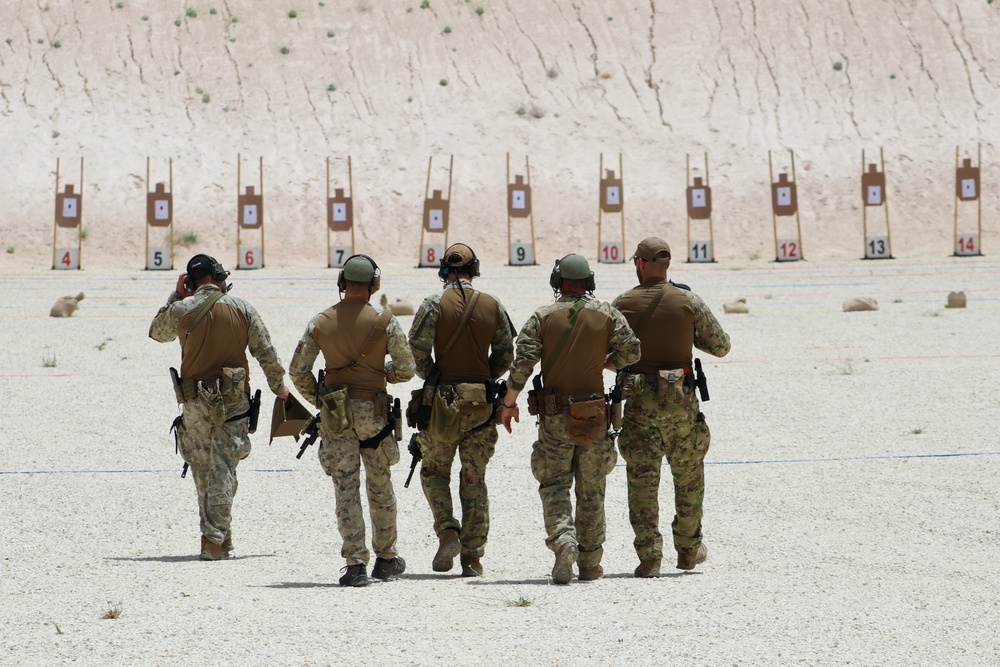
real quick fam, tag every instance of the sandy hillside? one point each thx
(200, 81)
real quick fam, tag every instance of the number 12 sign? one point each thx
(788, 250)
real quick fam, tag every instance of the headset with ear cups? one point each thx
(555, 278)
(472, 267)
(373, 284)
(213, 268)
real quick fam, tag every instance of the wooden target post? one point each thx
(699, 207)
(339, 218)
(785, 203)
(69, 215)
(435, 219)
(967, 189)
(873, 194)
(612, 200)
(250, 215)
(519, 205)
(160, 213)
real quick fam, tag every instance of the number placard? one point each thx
(700, 251)
(431, 253)
(522, 254)
(967, 244)
(789, 250)
(877, 247)
(249, 258)
(67, 258)
(612, 252)
(338, 255)
(159, 259)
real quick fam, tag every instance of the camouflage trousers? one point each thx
(475, 448)
(213, 448)
(653, 428)
(341, 458)
(557, 462)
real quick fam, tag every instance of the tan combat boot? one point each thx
(648, 569)
(448, 548)
(471, 567)
(212, 551)
(686, 560)
(227, 544)
(591, 573)
(562, 571)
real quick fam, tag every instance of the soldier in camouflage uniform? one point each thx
(661, 417)
(355, 338)
(575, 339)
(212, 432)
(468, 353)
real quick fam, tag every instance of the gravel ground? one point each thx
(849, 511)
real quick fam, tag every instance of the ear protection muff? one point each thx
(373, 285)
(214, 268)
(472, 267)
(555, 278)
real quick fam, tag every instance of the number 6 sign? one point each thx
(250, 258)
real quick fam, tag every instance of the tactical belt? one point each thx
(363, 394)
(562, 401)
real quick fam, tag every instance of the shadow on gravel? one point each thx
(180, 559)
(443, 576)
(510, 582)
(304, 584)
(669, 575)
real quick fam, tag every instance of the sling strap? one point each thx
(376, 440)
(574, 311)
(466, 315)
(201, 311)
(649, 311)
(380, 325)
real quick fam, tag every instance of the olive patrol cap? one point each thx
(359, 269)
(652, 249)
(574, 267)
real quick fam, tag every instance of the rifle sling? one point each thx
(466, 315)
(380, 325)
(201, 311)
(574, 312)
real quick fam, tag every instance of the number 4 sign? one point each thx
(67, 258)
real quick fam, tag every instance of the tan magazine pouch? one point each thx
(586, 419)
(471, 398)
(233, 382)
(335, 408)
(446, 418)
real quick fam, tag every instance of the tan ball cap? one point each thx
(652, 249)
(458, 255)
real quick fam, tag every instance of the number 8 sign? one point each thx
(430, 254)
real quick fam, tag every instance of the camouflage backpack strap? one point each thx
(381, 324)
(574, 312)
(649, 311)
(466, 314)
(200, 312)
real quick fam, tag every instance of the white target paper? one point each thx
(874, 195)
(698, 198)
(784, 196)
(339, 212)
(518, 197)
(69, 207)
(436, 219)
(161, 209)
(614, 195)
(968, 188)
(250, 214)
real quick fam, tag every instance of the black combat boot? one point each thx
(354, 575)
(386, 568)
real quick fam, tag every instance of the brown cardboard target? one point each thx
(436, 213)
(519, 198)
(251, 209)
(159, 207)
(967, 181)
(784, 196)
(873, 186)
(699, 200)
(69, 208)
(612, 193)
(340, 211)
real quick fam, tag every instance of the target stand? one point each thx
(701, 248)
(967, 189)
(612, 200)
(873, 194)
(339, 219)
(435, 220)
(159, 214)
(785, 203)
(249, 216)
(69, 215)
(519, 205)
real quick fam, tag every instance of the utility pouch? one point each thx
(586, 419)
(446, 418)
(233, 381)
(418, 415)
(382, 402)
(335, 408)
(215, 408)
(471, 398)
(548, 403)
(671, 385)
(533, 402)
(397, 420)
